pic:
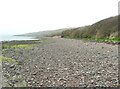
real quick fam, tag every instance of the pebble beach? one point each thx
(61, 62)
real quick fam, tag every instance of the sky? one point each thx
(24, 16)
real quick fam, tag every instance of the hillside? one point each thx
(104, 29)
(45, 33)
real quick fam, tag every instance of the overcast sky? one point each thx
(24, 16)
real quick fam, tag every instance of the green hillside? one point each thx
(104, 30)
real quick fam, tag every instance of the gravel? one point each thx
(63, 62)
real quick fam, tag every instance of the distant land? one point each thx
(104, 29)
(44, 33)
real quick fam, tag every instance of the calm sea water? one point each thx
(11, 37)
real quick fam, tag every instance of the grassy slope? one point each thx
(104, 30)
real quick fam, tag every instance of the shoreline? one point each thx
(17, 38)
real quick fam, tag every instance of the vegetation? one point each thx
(28, 44)
(19, 44)
(9, 60)
(103, 31)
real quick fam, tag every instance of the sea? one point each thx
(12, 37)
